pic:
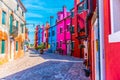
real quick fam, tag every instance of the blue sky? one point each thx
(39, 11)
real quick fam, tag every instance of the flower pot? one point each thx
(41, 51)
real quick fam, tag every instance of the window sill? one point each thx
(2, 55)
(115, 37)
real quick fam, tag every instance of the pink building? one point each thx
(63, 32)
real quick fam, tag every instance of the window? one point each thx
(49, 34)
(68, 27)
(3, 47)
(115, 18)
(57, 44)
(86, 4)
(45, 34)
(3, 17)
(17, 7)
(72, 45)
(22, 45)
(115, 15)
(80, 8)
(60, 30)
(59, 17)
(22, 13)
(60, 43)
(72, 14)
(22, 28)
(16, 45)
(81, 0)
(53, 33)
(11, 23)
(72, 29)
(17, 24)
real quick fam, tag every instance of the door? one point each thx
(12, 50)
(68, 48)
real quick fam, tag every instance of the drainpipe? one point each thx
(101, 39)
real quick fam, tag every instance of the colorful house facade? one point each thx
(78, 29)
(63, 32)
(111, 39)
(46, 35)
(12, 23)
(40, 35)
(52, 38)
(52, 35)
(36, 36)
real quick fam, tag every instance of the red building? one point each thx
(78, 31)
(46, 34)
(112, 39)
(36, 36)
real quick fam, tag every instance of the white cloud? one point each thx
(33, 15)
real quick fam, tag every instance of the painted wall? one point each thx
(78, 20)
(112, 49)
(62, 22)
(46, 34)
(36, 36)
(40, 35)
(52, 38)
(4, 29)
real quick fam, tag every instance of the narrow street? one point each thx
(48, 66)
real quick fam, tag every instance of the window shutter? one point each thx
(17, 24)
(16, 45)
(3, 17)
(3, 47)
(72, 45)
(11, 23)
(85, 5)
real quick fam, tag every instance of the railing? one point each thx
(14, 31)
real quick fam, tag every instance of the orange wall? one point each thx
(4, 59)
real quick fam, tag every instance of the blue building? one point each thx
(40, 36)
(52, 40)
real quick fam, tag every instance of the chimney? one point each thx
(64, 11)
(76, 2)
(75, 6)
(51, 20)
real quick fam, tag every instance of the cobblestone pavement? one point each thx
(43, 67)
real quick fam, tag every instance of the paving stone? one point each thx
(43, 67)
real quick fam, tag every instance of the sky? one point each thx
(39, 11)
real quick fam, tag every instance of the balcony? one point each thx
(14, 31)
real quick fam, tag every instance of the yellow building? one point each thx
(12, 30)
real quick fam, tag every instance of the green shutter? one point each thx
(17, 7)
(3, 17)
(16, 45)
(16, 23)
(22, 28)
(72, 29)
(72, 45)
(3, 47)
(11, 23)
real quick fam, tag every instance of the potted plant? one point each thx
(87, 72)
(82, 46)
(42, 47)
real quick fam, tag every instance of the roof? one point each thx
(21, 4)
(77, 5)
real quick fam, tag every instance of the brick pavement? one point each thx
(43, 67)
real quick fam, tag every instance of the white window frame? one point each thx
(114, 36)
